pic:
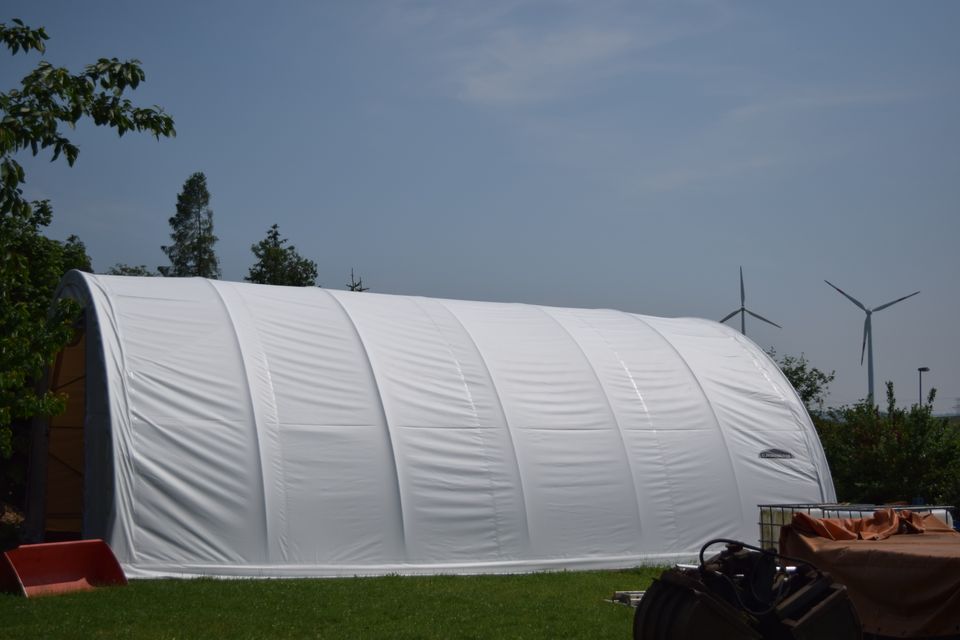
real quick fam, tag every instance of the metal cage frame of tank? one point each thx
(774, 516)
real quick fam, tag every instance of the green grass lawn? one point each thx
(543, 605)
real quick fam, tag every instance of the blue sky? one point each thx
(598, 154)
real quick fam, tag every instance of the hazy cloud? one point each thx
(820, 99)
(516, 67)
(680, 178)
(526, 52)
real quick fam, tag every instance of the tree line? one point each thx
(192, 251)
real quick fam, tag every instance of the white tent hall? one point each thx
(232, 429)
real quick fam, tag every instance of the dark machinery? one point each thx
(744, 592)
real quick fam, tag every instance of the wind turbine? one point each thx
(743, 311)
(868, 332)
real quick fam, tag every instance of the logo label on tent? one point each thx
(775, 453)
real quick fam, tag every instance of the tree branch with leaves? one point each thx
(33, 118)
(811, 384)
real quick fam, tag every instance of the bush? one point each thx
(903, 455)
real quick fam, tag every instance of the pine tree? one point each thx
(277, 264)
(122, 269)
(356, 284)
(191, 253)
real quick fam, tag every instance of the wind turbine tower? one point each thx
(868, 332)
(743, 311)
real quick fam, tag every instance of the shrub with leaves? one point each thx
(900, 455)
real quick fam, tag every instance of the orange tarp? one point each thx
(902, 569)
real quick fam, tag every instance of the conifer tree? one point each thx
(122, 269)
(192, 253)
(277, 264)
(356, 284)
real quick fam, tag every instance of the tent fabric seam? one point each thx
(613, 413)
(267, 420)
(503, 414)
(283, 502)
(267, 528)
(473, 408)
(386, 418)
(671, 483)
(713, 411)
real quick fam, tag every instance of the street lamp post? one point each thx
(920, 371)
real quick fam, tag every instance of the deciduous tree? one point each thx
(32, 118)
(811, 383)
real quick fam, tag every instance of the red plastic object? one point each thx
(59, 567)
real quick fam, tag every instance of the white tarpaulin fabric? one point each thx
(242, 430)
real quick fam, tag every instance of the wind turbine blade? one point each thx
(730, 315)
(884, 306)
(759, 317)
(743, 295)
(863, 348)
(847, 295)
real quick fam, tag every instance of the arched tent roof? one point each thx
(240, 429)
